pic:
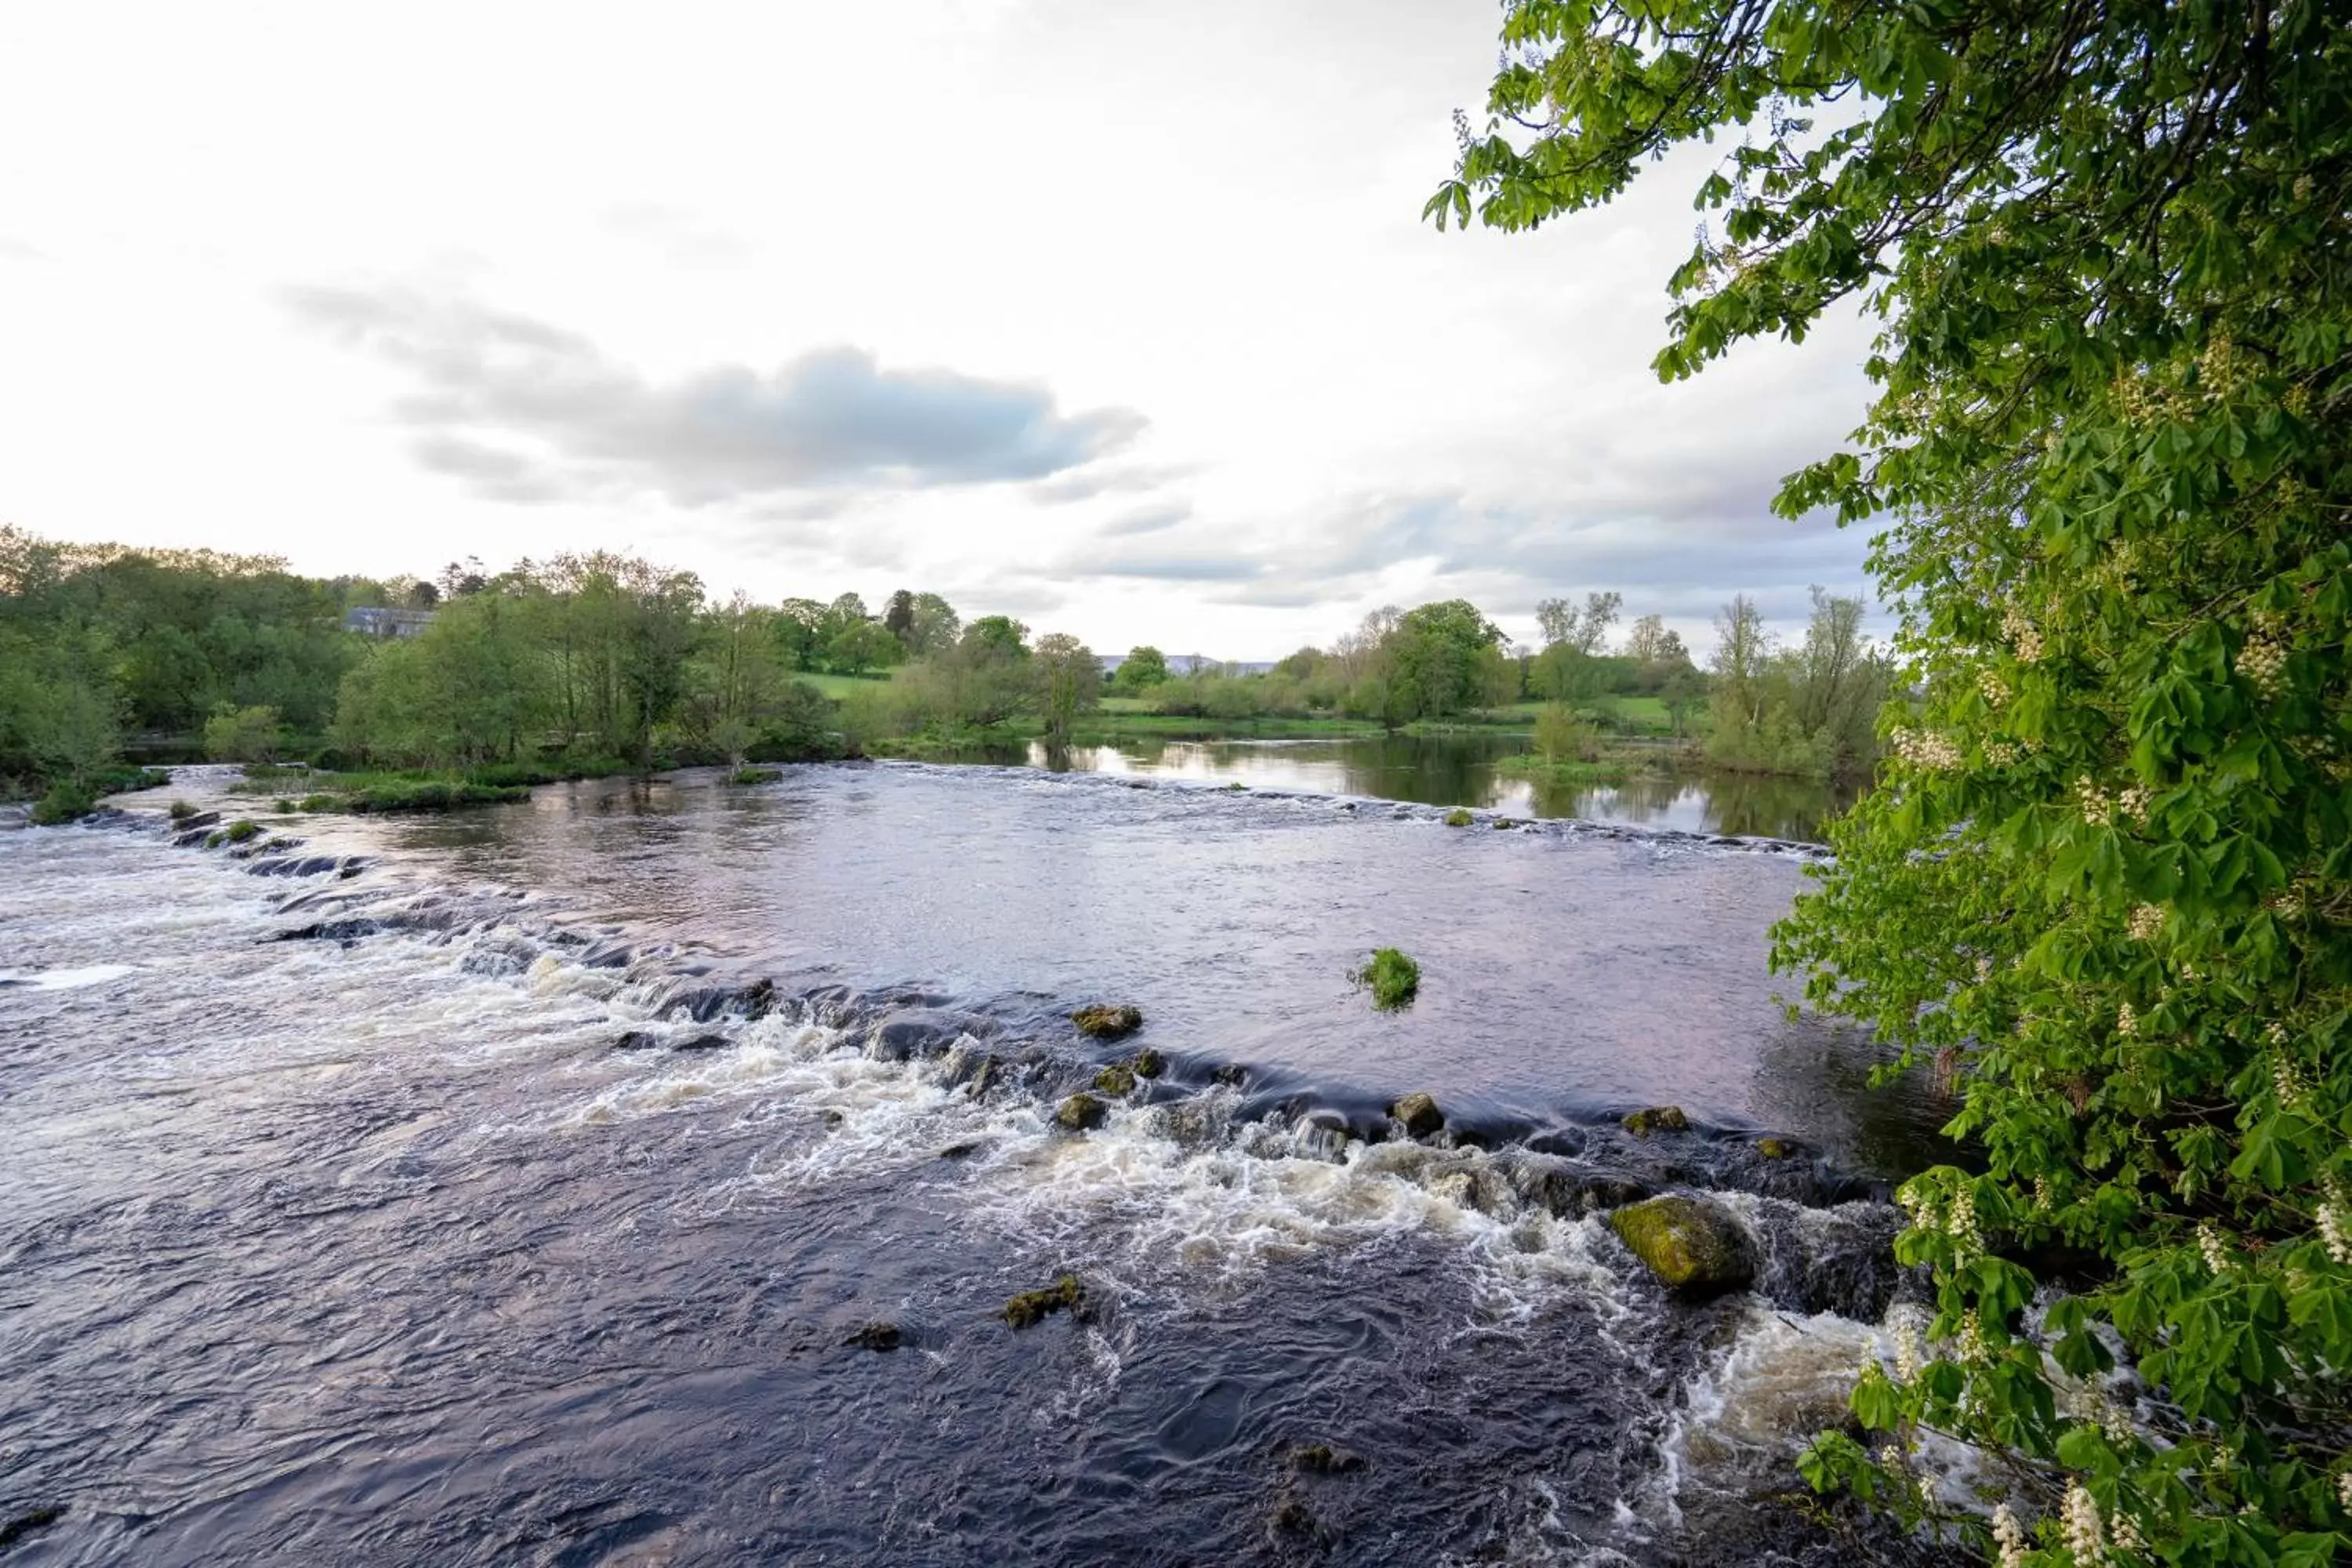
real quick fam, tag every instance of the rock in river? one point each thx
(1419, 1114)
(1658, 1119)
(1107, 1023)
(1693, 1244)
(1081, 1113)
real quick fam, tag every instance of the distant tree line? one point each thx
(1809, 709)
(615, 658)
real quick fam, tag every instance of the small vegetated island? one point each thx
(2104, 888)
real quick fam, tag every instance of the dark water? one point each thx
(1461, 770)
(503, 1215)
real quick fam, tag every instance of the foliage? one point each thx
(235, 734)
(1585, 631)
(1809, 711)
(1561, 738)
(862, 646)
(2107, 886)
(64, 802)
(428, 795)
(162, 637)
(1143, 667)
(1392, 978)
(1459, 817)
(1442, 658)
(1069, 682)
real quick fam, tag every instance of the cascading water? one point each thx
(523, 1186)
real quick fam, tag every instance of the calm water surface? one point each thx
(1461, 770)
(507, 1186)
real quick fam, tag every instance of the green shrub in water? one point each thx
(1393, 978)
(1459, 817)
(64, 802)
(182, 810)
(237, 832)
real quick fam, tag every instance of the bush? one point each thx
(754, 776)
(182, 810)
(1393, 978)
(1561, 737)
(64, 802)
(1459, 817)
(243, 734)
(431, 795)
(237, 832)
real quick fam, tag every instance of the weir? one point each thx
(543, 1182)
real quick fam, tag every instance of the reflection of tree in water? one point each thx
(1774, 808)
(1460, 770)
(1816, 1074)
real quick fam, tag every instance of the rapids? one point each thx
(512, 1185)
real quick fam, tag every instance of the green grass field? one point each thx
(839, 686)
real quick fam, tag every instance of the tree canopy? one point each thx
(2107, 891)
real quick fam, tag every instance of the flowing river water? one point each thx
(514, 1186)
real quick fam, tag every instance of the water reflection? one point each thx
(1463, 770)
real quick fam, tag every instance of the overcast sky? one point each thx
(1118, 316)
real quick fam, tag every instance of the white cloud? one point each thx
(1063, 212)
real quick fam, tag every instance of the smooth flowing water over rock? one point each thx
(538, 1183)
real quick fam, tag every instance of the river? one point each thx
(513, 1185)
(1463, 770)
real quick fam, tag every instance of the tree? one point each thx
(234, 734)
(2105, 887)
(996, 638)
(935, 628)
(1649, 639)
(1143, 667)
(1437, 658)
(1069, 682)
(862, 646)
(1585, 630)
(899, 617)
(798, 632)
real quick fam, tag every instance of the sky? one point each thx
(1117, 317)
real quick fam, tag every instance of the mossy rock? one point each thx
(1081, 1113)
(1032, 1307)
(1107, 1023)
(215, 838)
(1237, 786)
(237, 832)
(1658, 1119)
(1116, 1078)
(1775, 1148)
(1323, 1459)
(1147, 1063)
(1459, 817)
(1505, 821)
(1418, 1114)
(1694, 1246)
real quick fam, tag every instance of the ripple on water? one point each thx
(379, 1249)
